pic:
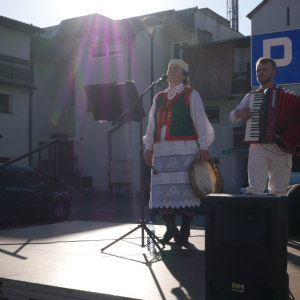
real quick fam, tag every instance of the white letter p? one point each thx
(283, 41)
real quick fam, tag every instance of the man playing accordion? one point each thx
(264, 157)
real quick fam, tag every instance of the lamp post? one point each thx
(150, 24)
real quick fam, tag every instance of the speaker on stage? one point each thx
(246, 247)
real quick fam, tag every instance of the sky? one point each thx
(45, 13)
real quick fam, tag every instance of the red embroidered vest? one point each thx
(176, 115)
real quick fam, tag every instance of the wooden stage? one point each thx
(64, 261)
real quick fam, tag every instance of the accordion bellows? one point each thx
(275, 118)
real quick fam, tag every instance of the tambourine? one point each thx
(205, 177)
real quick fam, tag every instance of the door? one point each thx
(65, 157)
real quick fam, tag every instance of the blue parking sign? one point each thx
(284, 48)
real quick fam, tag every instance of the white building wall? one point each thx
(14, 43)
(91, 144)
(92, 147)
(224, 141)
(53, 109)
(219, 31)
(14, 126)
(273, 16)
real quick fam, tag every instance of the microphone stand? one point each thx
(142, 224)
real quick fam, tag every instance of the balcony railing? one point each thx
(241, 83)
(238, 138)
(16, 70)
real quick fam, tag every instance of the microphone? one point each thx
(160, 81)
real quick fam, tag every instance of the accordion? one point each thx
(275, 118)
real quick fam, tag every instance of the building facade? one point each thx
(16, 88)
(220, 71)
(95, 50)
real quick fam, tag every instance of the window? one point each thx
(30, 179)
(98, 51)
(204, 36)
(245, 67)
(5, 103)
(177, 52)
(212, 114)
(116, 49)
(10, 179)
(105, 50)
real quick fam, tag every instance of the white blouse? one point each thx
(202, 125)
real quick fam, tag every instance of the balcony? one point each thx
(238, 138)
(16, 71)
(241, 83)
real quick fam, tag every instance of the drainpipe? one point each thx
(129, 50)
(109, 133)
(110, 149)
(30, 126)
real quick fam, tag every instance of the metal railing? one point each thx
(3, 167)
(76, 178)
(14, 68)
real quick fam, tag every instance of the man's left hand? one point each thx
(203, 155)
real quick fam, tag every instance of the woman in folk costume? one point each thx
(178, 132)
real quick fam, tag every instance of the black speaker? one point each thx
(246, 247)
(294, 208)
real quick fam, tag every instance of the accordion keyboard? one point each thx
(252, 125)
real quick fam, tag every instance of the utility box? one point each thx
(122, 171)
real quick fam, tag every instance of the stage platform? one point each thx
(63, 261)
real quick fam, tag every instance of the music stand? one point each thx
(113, 102)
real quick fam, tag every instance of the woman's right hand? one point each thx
(148, 157)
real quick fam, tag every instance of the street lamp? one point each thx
(150, 24)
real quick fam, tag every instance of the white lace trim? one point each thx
(170, 204)
(173, 195)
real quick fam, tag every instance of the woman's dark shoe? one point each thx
(172, 230)
(184, 230)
